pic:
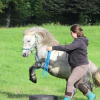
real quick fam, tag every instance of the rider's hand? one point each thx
(49, 48)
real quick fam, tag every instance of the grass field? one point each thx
(14, 74)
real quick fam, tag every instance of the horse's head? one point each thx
(30, 40)
(31, 37)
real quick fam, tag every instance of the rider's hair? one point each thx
(77, 29)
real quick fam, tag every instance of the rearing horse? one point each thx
(40, 38)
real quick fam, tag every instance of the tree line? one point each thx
(23, 12)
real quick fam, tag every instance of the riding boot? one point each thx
(90, 95)
(67, 98)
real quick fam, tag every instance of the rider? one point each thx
(78, 61)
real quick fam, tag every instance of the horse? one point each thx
(39, 38)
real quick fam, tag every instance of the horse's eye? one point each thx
(28, 41)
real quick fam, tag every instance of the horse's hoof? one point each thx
(33, 80)
(43, 97)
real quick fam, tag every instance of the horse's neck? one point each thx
(41, 51)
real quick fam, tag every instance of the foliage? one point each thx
(17, 9)
(21, 12)
(73, 8)
(3, 5)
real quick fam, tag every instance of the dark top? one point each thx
(77, 51)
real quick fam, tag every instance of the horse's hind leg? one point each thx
(86, 80)
(89, 85)
(74, 92)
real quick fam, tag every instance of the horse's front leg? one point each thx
(32, 75)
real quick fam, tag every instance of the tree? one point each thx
(69, 8)
(3, 5)
(54, 8)
(17, 10)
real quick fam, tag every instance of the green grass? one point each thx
(14, 74)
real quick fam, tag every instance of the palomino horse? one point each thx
(40, 38)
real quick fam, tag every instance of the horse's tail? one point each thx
(95, 71)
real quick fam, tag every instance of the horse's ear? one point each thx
(33, 33)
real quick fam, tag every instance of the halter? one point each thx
(36, 39)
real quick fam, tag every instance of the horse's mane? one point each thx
(47, 37)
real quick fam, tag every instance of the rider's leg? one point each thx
(77, 73)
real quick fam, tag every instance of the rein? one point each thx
(46, 64)
(47, 58)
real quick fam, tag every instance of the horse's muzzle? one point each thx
(24, 54)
